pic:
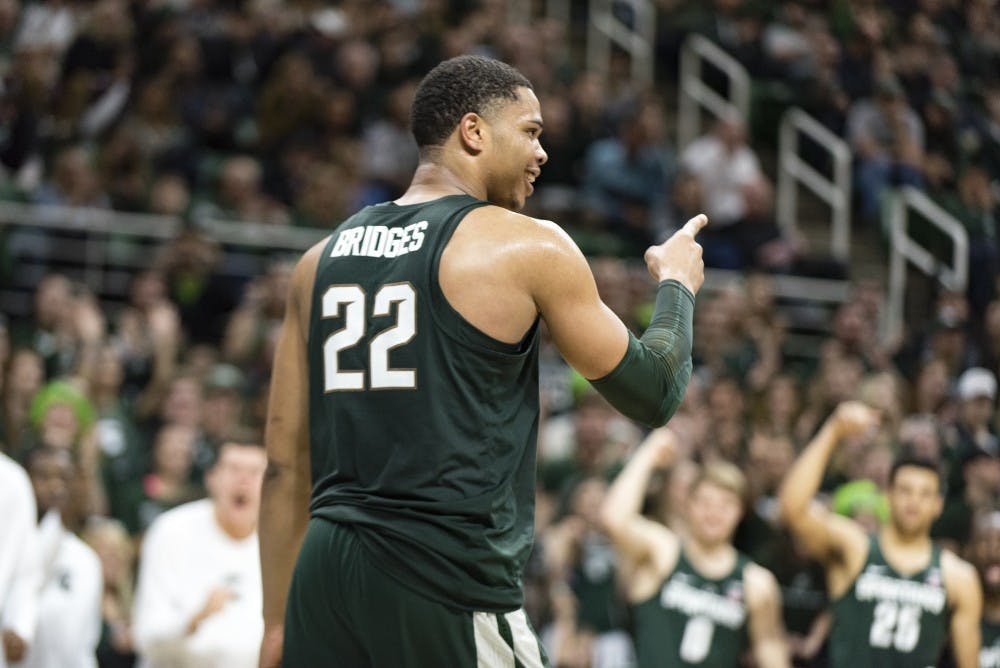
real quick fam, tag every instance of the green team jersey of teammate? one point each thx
(696, 601)
(983, 551)
(897, 599)
(404, 398)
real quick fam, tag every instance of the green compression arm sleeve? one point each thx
(650, 381)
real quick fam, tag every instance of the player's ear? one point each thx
(472, 132)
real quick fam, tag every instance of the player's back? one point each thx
(422, 428)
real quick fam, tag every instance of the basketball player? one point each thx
(404, 402)
(897, 598)
(696, 601)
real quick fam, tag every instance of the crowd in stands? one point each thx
(296, 112)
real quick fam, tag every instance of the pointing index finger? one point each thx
(693, 226)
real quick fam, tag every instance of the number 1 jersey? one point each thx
(422, 427)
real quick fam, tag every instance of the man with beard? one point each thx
(896, 596)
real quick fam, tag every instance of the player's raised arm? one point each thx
(284, 503)
(966, 601)
(823, 533)
(643, 378)
(634, 535)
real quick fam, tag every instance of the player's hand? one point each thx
(662, 445)
(271, 647)
(679, 257)
(14, 647)
(853, 417)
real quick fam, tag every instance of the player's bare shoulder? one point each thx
(960, 577)
(527, 250)
(502, 225)
(761, 586)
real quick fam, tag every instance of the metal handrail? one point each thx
(793, 170)
(605, 28)
(260, 235)
(904, 248)
(695, 93)
(90, 219)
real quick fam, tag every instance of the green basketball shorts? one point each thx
(343, 611)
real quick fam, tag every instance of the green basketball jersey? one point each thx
(886, 620)
(422, 427)
(693, 620)
(989, 655)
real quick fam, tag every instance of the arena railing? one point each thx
(637, 39)
(793, 170)
(953, 275)
(104, 249)
(696, 93)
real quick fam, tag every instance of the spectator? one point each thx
(138, 502)
(23, 377)
(109, 539)
(253, 327)
(148, 334)
(990, 340)
(390, 153)
(977, 394)
(190, 266)
(580, 558)
(198, 600)
(975, 207)
(239, 196)
(20, 572)
(888, 139)
(980, 473)
(625, 177)
(223, 408)
(737, 194)
(74, 181)
(69, 609)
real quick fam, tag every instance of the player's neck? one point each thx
(438, 179)
(892, 538)
(713, 559)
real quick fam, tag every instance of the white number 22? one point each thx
(352, 299)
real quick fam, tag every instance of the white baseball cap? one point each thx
(977, 382)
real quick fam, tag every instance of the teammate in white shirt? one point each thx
(198, 601)
(69, 610)
(19, 573)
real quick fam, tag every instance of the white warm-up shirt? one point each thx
(723, 177)
(20, 572)
(69, 611)
(185, 555)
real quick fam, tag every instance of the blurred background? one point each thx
(163, 163)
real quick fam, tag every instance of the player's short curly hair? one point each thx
(456, 87)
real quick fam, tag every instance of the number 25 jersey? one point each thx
(886, 620)
(422, 427)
